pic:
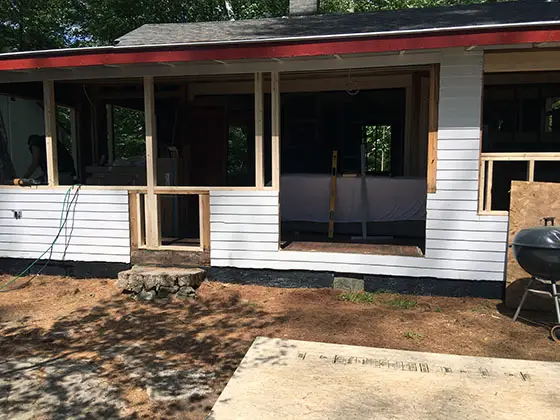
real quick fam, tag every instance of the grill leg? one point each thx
(555, 297)
(523, 300)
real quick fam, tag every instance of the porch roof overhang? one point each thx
(541, 28)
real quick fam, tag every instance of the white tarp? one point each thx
(306, 197)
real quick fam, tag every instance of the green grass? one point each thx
(412, 335)
(357, 297)
(438, 310)
(402, 303)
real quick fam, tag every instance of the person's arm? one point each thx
(35, 161)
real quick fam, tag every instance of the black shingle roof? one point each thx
(478, 16)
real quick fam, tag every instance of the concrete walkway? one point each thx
(285, 379)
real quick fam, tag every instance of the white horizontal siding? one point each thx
(460, 244)
(97, 228)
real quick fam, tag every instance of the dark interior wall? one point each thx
(315, 124)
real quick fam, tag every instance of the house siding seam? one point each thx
(460, 244)
(97, 229)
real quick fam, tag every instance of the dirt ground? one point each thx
(56, 317)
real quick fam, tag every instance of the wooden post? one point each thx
(50, 132)
(74, 140)
(204, 210)
(110, 134)
(259, 131)
(531, 171)
(490, 176)
(481, 185)
(133, 204)
(275, 101)
(433, 128)
(153, 237)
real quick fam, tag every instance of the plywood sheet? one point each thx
(288, 379)
(530, 203)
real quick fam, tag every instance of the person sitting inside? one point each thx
(38, 149)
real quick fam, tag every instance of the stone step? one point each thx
(150, 282)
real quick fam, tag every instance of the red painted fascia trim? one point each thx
(285, 50)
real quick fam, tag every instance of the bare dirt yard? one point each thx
(80, 349)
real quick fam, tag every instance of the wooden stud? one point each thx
(521, 156)
(259, 131)
(74, 140)
(531, 171)
(50, 132)
(275, 100)
(490, 176)
(110, 134)
(153, 234)
(204, 220)
(433, 128)
(481, 185)
(133, 205)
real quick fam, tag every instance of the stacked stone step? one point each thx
(149, 283)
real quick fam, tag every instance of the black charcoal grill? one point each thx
(537, 250)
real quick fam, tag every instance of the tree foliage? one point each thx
(45, 24)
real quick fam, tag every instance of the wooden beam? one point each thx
(531, 171)
(545, 156)
(490, 178)
(433, 128)
(481, 185)
(204, 220)
(153, 234)
(259, 131)
(275, 101)
(110, 134)
(133, 205)
(50, 132)
(517, 61)
(74, 140)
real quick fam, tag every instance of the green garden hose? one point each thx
(62, 223)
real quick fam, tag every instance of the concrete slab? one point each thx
(286, 379)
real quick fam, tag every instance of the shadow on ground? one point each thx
(101, 362)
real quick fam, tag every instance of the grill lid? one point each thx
(539, 237)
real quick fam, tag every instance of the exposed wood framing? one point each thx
(486, 173)
(74, 140)
(275, 100)
(490, 177)
(133, 204)
(481, 185)
(50, 132)
(110, 135)
(153, 234)
(531, 171)
(517, 61)
(204, 211)
(259, 131)
(433, 128)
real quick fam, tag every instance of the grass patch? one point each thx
(357, 297)
(438, 310)
(412, 335)
(402, 303)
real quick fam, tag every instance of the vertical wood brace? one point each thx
(204, 211)
(275, 99)
(74, 140)
(490, 177)
(410, 128)
(50, 132)
(153, 237)
(531, 171)
(133, 205)
(110, 134)
(481, 185)
(259, 131)
(433, 128)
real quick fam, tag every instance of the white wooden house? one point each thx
(431, 65)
